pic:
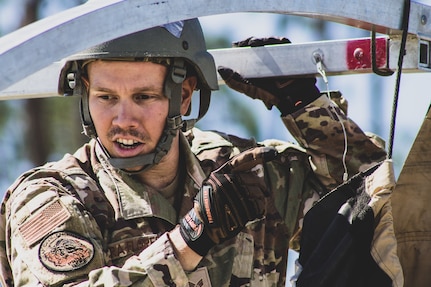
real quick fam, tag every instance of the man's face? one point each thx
(127, 105)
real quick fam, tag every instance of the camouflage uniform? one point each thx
(80, 222)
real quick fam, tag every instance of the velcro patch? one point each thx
(43, 222)
(199, 278)
(65, 251)
(130, 246)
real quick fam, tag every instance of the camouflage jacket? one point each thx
(80, 222)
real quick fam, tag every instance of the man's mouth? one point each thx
(127, 143)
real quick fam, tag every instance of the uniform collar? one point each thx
(132, 199)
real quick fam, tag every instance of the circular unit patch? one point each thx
(65, 251)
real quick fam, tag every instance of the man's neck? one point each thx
(164, 173)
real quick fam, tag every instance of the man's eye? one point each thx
(143, 97)
(106, 97)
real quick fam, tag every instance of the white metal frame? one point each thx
(29, 56)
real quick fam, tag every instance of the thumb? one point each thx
(236, 82)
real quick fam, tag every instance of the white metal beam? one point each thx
(38, 45)
(339, 57)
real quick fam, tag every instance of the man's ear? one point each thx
(189, 85)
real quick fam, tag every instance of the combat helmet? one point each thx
(178, 45)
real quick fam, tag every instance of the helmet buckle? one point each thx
(175, 122)
(179, 72)
(71, 80)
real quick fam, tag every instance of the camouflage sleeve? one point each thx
(155, 266)
(48, 238)
(5, 271)
(294, 186)
(323, 129)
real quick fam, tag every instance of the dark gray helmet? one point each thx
(179, 45)
(161, 42)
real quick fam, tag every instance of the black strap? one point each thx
(204, 103)
(405, 28)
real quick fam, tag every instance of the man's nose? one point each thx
(125, 115)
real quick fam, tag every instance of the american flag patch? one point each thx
(44, 221)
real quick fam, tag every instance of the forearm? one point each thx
(323, 129)
(185, 255)
(157, 265)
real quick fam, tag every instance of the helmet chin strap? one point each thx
(173, 90)
(146, 161)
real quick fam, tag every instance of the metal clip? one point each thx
(71, 80)
(318, 60)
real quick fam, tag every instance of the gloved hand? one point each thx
(231, 196)
(288, 94)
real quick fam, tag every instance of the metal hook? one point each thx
(318, 60)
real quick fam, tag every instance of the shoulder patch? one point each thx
(65, 251)
(43, 222)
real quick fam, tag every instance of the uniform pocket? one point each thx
(243, 261)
